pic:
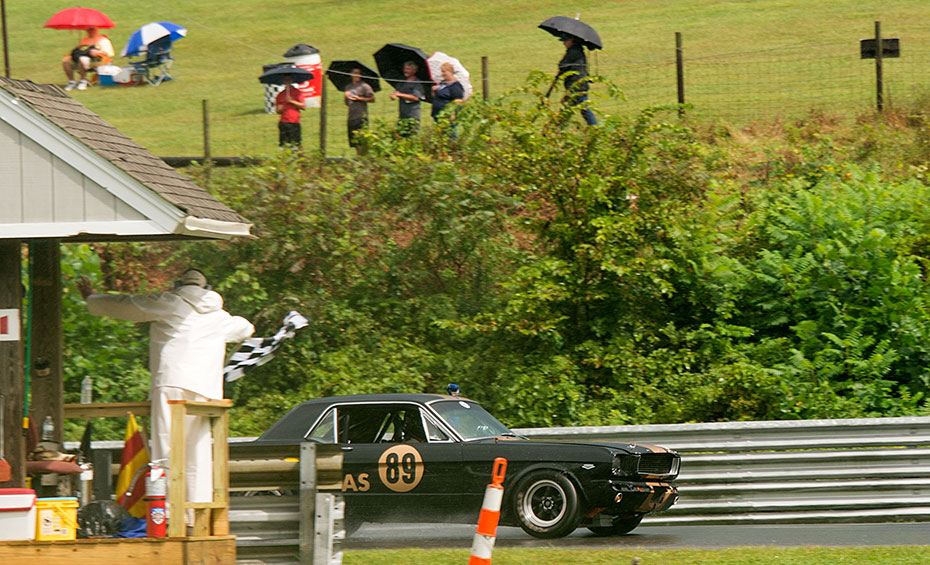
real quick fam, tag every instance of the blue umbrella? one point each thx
(141, 38)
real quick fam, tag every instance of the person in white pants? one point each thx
(187, 347)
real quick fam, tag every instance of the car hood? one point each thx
(613, 447)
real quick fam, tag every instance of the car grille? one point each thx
(656, 463)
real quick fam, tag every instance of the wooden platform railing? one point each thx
(210, 518)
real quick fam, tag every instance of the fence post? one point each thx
(323, 122)
(207, 161)
(307, 499)
(6, 51)
(484, 77)
(879, 83)
(680, 73)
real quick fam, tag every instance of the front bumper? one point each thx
(641, 497)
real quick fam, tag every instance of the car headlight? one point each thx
(625, 465)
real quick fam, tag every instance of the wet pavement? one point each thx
(387, 536)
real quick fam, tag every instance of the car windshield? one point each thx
(470, 420)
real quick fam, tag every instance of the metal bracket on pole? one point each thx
(307, 501)
(329, 531)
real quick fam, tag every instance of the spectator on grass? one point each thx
(358, 95)
(289, 102)
(574, 68)
(409, 94)
(93, 49)
(448, 90)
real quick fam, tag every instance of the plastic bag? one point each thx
(100, 518)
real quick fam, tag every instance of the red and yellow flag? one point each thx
(135, 457)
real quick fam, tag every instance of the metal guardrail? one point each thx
(855, 470)
(277, 511)
(865, 470)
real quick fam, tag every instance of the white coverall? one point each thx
(188, 335)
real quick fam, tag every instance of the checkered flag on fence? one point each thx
(257, 351)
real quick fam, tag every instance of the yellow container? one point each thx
(56, 518)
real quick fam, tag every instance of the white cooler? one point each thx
(17, 514)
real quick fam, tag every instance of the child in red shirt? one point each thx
(289, 102)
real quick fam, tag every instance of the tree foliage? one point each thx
(567, 275)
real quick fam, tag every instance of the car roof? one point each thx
(295, 423)
(388, 397)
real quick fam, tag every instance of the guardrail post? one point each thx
(328, 534)
(307, 501)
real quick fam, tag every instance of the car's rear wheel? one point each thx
(621, 525)
(546, 504)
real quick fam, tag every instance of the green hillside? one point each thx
(789, 55)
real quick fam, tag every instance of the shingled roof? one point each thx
(195, 204)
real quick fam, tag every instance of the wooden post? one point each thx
(307, 501)
(207, 153)
(6, 51)
(485, 84)
(323, 122)
(219, 516)
(879, 83)
(12, 378)
(177, 463)
(680, 72)
(46, 388)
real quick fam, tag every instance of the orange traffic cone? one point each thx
(483, 543)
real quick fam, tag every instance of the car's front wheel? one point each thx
(546, 503)
(621, 525)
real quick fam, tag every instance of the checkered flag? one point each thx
(256, 351)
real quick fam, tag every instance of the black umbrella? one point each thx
(561, 26)
(275, 75)
(339, 74)
(391, 58)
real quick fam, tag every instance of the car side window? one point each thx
(376, 423)
(400, 424)
(325, 430)
(435, 434)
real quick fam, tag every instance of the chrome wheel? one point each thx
(546, 504)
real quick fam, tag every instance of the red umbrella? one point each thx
(79, 18)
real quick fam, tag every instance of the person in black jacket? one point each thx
(576, 83)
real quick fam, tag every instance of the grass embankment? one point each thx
(230, 40)
(887, 555)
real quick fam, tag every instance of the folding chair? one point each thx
(158, 60)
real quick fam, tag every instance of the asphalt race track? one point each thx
(395, 536)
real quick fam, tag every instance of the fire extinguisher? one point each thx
(156, 517)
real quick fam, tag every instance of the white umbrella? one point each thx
(141, 38)
(436, 60)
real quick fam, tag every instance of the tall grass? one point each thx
(744, 59)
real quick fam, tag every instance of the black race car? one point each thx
(428, 458)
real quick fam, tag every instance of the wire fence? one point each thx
(738, 87)
(742, 87)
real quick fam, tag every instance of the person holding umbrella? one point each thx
(409, 94)
(575, 35)
(358, 94)
(289, 103)
(448, 90)
(93, 47)
(574, 68)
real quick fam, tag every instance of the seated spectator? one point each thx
(94, 49)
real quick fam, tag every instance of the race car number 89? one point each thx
(400, 468)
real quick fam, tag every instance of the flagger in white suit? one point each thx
(187, 347)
